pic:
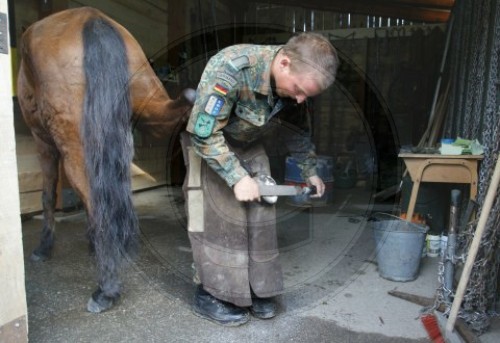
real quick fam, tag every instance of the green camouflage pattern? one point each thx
(235, 102)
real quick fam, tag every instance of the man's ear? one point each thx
(284, 61)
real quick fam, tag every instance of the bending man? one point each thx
(232, 232)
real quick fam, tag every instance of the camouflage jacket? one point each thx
(235, 103)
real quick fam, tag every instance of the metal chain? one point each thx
(474, 113)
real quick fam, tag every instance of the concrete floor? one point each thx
(333, 290)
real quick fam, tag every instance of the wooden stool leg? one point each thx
(473, 186)
(413, 200)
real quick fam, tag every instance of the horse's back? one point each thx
(53, 47)
(52, 54)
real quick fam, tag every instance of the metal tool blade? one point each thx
(270, 190)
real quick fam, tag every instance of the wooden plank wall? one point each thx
(13, 308)
(148, 170)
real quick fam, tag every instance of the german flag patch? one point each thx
(220, 89)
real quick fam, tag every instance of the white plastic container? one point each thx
(433, 245)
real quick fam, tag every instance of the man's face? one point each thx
(298, 86)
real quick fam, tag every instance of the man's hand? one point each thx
(246, 189)
(320, 186)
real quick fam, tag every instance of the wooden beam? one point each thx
(442, 4)
(391, 9)
(156, 11)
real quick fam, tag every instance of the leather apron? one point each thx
(234, 243)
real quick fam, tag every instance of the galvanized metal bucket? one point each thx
(399, 246)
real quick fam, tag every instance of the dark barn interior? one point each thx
(412, 72)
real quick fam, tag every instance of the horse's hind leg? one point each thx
(49, 162)
(104, 297)
(108, 291)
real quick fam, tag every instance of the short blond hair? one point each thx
(313, 53)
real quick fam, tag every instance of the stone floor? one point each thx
(333, 291)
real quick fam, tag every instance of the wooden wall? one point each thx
(13, 309)
(156, 162)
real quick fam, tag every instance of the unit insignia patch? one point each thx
(214, 104)
(204, 125)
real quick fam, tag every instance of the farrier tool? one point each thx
(286, 190)
(270, 191)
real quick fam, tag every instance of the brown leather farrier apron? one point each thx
(234, 243)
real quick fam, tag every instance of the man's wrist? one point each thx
(235, 176)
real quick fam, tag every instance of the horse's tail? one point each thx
(108, 144)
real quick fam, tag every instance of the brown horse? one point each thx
(83, 82)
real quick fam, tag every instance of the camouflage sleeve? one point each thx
(216, 94)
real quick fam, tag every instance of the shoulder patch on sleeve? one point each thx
(227, 78)
(220, 89)
(214, 104)
(204, 125)
(239, 62)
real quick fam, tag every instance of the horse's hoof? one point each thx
(94, 307)
(99, 302)
(35, 257)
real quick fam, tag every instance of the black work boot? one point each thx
(263, 308)
(218, 311)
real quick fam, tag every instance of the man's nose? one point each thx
(300, 99)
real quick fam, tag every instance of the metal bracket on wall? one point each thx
(4, 42)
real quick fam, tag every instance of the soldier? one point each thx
(232, 232)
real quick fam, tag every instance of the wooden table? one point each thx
(440, 168)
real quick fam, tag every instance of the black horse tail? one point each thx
(108, 146)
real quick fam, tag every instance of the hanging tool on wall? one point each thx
(449, 253)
